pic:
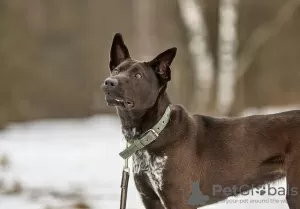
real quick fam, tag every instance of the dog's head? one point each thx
(135, 84)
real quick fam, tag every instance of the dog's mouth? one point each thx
(115, 101)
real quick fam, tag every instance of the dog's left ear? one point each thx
(118, 51)
(161, 63)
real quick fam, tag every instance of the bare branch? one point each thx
(262, 34)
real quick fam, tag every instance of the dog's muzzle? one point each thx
(113, 95)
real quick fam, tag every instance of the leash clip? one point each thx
(126, 167)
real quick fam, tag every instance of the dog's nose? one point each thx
(111, 82)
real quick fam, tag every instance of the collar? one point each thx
(148, 137)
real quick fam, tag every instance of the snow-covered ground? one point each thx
(58, 163)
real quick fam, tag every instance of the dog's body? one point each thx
(234, 153)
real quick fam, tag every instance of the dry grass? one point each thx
(15, 189)
(4, 162)
(81, 205)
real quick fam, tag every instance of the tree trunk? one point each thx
(227, 54)
(211, 17)
(192, 14)
(158, 26)
(268, 45)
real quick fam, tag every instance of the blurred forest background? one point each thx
(232, 55)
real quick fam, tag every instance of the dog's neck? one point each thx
(136, 122)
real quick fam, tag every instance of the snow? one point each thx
(61, 162)
(65, 156)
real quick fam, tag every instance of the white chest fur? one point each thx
(152, 166)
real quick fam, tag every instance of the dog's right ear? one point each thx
(118, 51)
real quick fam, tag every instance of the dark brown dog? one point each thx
(225, 156)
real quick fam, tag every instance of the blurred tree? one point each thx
(159, 26)
(211, 16)
(192, 15)
(54, 54)
(228, 42)
(268, 71)
(16, 51)
(267, 45)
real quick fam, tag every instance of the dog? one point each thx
(195, 154)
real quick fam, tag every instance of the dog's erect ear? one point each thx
(161, 63)
(118, 51)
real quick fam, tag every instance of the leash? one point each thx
(124, 183)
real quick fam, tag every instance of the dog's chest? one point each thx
(152, 166)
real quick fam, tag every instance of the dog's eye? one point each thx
(138, 76)
(114, 72)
